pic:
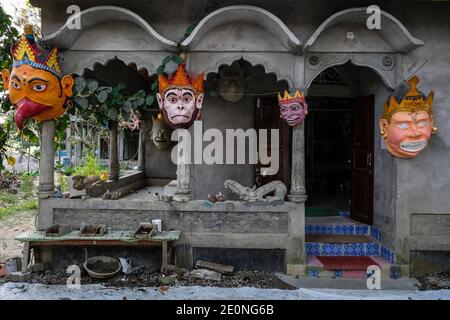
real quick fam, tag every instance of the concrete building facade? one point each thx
(279, 45)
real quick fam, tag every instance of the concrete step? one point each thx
(338, 238)
(403, 283)
(314, 268)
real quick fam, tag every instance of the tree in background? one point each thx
(8, 36)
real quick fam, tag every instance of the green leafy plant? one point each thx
(107, 103)
(27, 185)
(17, 193)
(90, 167)
(65, 170)
(61, 181)
(26, 205)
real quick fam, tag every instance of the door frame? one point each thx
(372, 136)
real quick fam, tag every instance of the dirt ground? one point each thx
(256, 279)
(10, 227)
(435, 281)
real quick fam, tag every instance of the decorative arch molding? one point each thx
(65, 37)
(316, 63)
(132, 65)
(242, 13)
(393, 32)
(268, 62)
(75, 62)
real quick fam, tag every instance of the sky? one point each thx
(13, 7)
(10, 5)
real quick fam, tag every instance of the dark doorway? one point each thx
(267, 116)
(338, 134)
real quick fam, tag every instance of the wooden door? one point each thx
(362, 162)
(267, 116)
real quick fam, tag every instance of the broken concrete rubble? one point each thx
(166, 280)
(174, 269)
(221, 268)
(206, 274)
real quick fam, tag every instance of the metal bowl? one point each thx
(88, 264)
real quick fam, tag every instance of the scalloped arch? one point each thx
(393, 31)
(254, 61)
(261, 17)
(129, 62)
(65, 37)
(384, 76)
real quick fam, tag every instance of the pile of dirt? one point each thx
(435, 281)
(145, 278)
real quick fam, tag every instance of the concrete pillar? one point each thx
(113, 153)
(141, 151)
(68, 139)
(295, 245)
(298, 189)
(46, 163)
(183, 192)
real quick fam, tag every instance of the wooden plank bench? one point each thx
(32, 239)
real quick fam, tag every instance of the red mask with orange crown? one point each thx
(180, 98)
(36, 86)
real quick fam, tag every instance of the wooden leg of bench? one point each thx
(164, 256)
(26, 256)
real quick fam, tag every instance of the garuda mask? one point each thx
(407, 121)
(180, 98)
(36, 86)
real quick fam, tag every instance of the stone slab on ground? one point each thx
(26, 291)
(206, 274)
(409, 284)
(19, 276)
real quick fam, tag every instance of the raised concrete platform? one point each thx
(229, 224)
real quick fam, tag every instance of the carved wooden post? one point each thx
(113, 153)
(46, 163)
(298, 190)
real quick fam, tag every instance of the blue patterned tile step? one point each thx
(388, 254)
(345, 214)
(356, 229)
(312, 248)
(362, 229)
(342, 249)
(330, 229)
(375, 232)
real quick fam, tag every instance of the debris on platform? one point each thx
(221, 268)
(206, 274)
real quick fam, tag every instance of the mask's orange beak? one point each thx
(26, 109)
